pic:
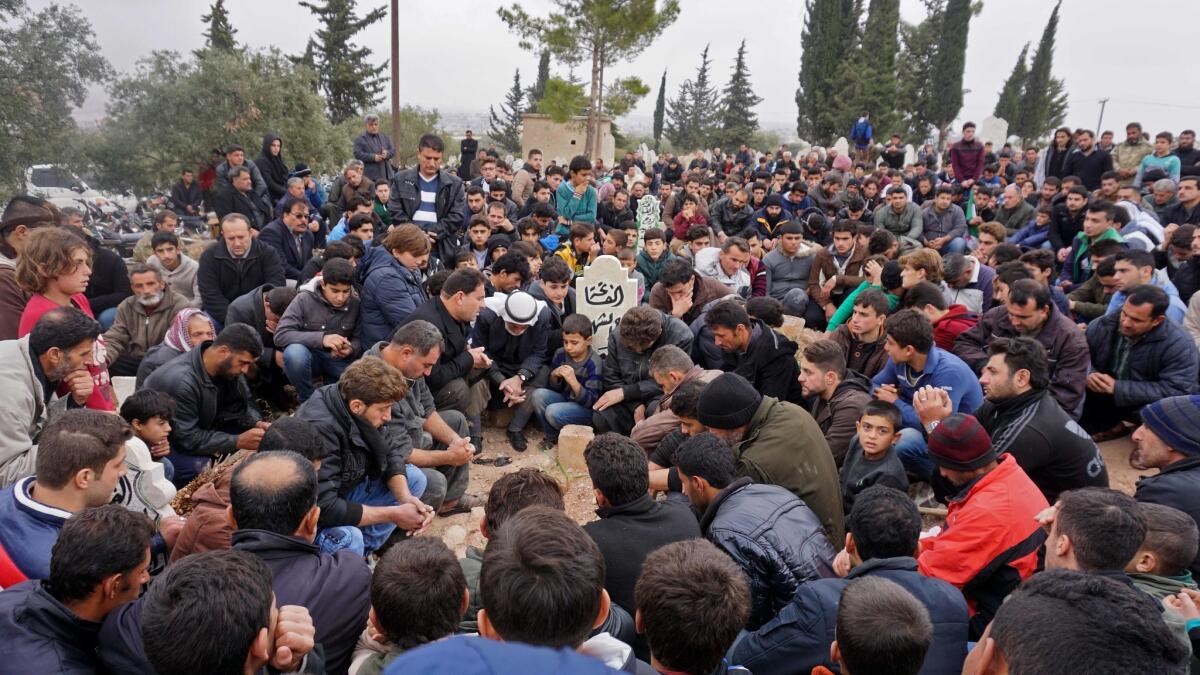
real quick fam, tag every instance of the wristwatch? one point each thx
(932, 425)
(523, 376)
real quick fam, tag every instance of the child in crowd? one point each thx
(383, 192)
(581, 247)
(698, 238)
(478, 232)
(991, 235)
(1160, 566)
(1037, 233)
(629, 262)
(497, 246)
(653, 256)
(465, 258)
(880, 628)
(871, 458)
(575, 198)
(614, 241)
(418, 594)
(532, 252)
(146, 486)
(574, 381)
(177, 269)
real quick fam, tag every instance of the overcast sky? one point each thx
(1136, 54)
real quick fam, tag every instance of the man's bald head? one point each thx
(273, 491)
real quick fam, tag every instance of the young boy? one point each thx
(699, 237)
(1160, 566)
(1037, 233)
(532, 252)
(1040, 262)
(871, 458)
(574, 381)
(383, 192)
(554, 286)
(629, 261)
(614, 241)
(581, 248)
(653, 256)
(418, 595)
(146, 486)
(465, 258)
(178, 270)
(318, 332)
(478, 232)
(880, 628)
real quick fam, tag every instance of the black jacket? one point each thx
(1064, 225)
(184, 196)
(1163, 363)
(1178, 486)
(109, 283)
(1089, 168)
(628, 533)
(248, 309)
(774, 537)
(274, 171)
(511, 354)
(204, 421)
(223, 278)
(277, 236)
(608, 216)
(334, 588)
(229, 200)
(356, 452)
(43, 636)
(1056, 453)
(455, 362)
(449, 204)
(554, 330)
(769, 363)
(630, 371)
(798, 639)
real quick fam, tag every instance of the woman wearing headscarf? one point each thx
(191, 327)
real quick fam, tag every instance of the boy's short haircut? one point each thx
(1048, 210)
(577, 324)
(1041, 258)
(709, 457)
(693, 601)
(924, 259)
(881, 240)
(640, 325)
(542, 581)
(875, 299)
(697, 232)
(1005, 253)
(997, 230)
(292, 434)
(686, 398)
(479, 220)
(357, 221)
(460, 256)
(885, 523)
(517, 490)
(164, 237)
(910, 328)
(555, 171)
(1012, 272)
(527, 249)
(924, 293)
(342, 248)
(278, 299)
(886, 410)
(337, 271)
(652, 234)
(1105, 248)
(581, 231)
(1105, 527)
(618, 468)
(1171, 535)
(766, 309)
(1106, 268)
(827, 356)
(1064, 621)
(417, 592)
(845, 225)
(865, 229)
(144, 404)
(882, 628)
(556, 270)
(529, 225)
(626, 254)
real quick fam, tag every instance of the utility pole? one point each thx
(1100, 122)
(396, 73)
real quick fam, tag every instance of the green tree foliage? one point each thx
(868, 78)
(172, 110)
(948, 64)
(538, 90)
(692, 115)
(602, 32)
(830, 27)
(562, 100)
(415, 122)
(914, 80)
(220, 31)
(738, 121)
(623, 94)
(346, 77)
(660, 107)
(1008, 106)
(506, 127)
(1044, 98)
(48, 59)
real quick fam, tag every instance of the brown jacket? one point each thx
(522, 186)
(12, 299)
(825, 267)
(206, 528)
(877, 361)
(134, 331)
(704, 291)
(651, 430)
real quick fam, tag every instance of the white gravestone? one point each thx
(604, 293)
(842, 146)
(910, 155)
(995, 130)
(648, 216)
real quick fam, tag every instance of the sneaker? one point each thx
(517, 440)
(477, 443)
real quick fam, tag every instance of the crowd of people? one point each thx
(310, 389)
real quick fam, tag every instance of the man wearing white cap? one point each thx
(512, 329)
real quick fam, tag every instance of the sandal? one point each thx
(464, 505)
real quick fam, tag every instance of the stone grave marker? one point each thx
(910, 155)
(604, 292)
(648, 216)
(994, 129)
(842, 146)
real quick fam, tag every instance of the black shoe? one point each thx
(478, 444)
(517, 440)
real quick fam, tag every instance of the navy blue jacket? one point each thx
(798, 639)
(1178, 486)
(390, 293)
(1161, 364)
(43, 636)
(279, 237)
(28, 529)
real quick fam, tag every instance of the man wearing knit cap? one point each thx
(776, 443)
(1169, 440)
(989, 542)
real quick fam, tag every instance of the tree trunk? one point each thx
(593, 119)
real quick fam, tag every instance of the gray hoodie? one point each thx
(182, 279)
(23, 410)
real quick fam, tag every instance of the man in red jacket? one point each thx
(989, 542)
(948, 320)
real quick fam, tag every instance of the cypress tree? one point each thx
(914, 80)
(738, 121)
(692, 116)
(949, 62)
(868, 77)
(1009, 104)
(659, 110)
(506, 128)
(1034, 115)
(827, 38)
(220, 31)
(345, 75)
(538, 90)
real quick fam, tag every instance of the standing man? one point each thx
(375, 151)
(430, 198)
(1087, 161)
(966, 157)
(1127, 156)
(468, 148)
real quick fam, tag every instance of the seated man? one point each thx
(56, 353)
(837, 267)
(838, 394)
(512, 329)
(775, 443)
(684, 294)
(100, 563)
(1094, 530)
(141, 321)
(884, 528)
(273, 509)
(949, 321)
(234, 266)
(774, 537)
(755, 351)
(1169, 440)
(435, 441)
(1022, 416)
(632, 524)
(914, 362)
(164, 221)
(80, 460)
(968, 282)
(366, 488)
(318, 332)
(290, 236)
(626, 385)
(731, 265)
(881, 627)
(1134, 268)
(862, 338)
(261, 309)
(214, 415)
(992, 543)
(943, 224)
(1138, 357)
(671, 368)
(789, 270)
(177, 270)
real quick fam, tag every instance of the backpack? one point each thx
(861, 133)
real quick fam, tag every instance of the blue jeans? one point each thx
(914, 454)
(107, 317)
(556, 411)
(301, 364)
(364, 539)
(955, 245)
